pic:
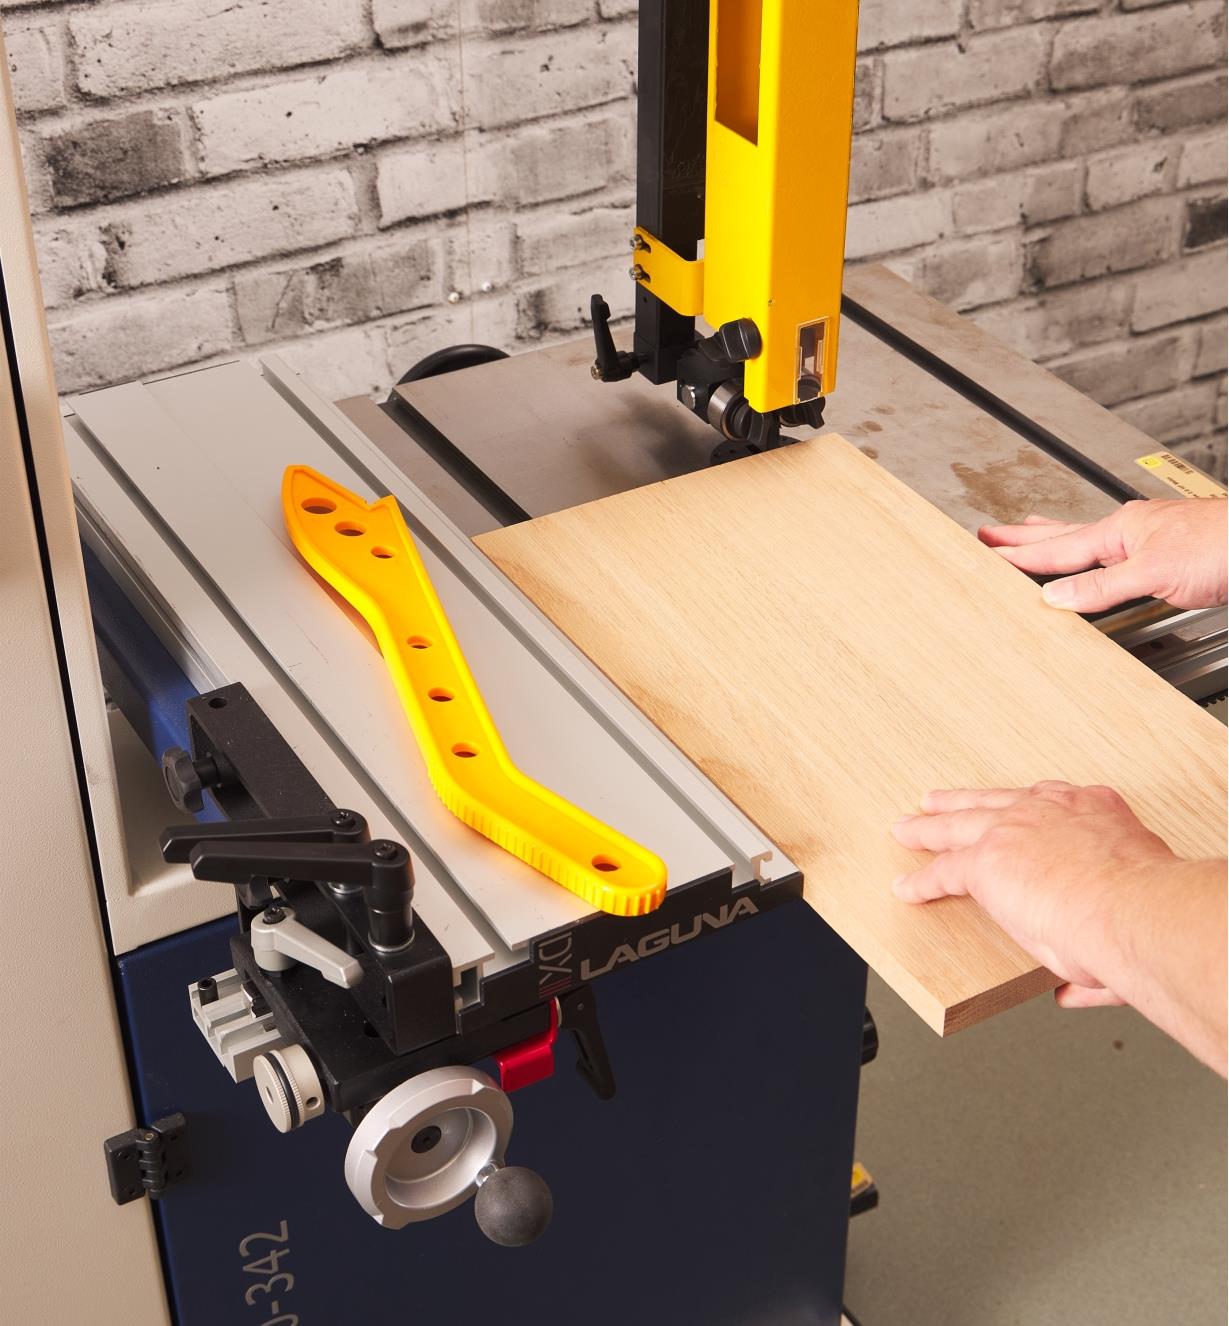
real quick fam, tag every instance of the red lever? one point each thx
(532, 1060)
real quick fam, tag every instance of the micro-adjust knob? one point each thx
(289, 1087)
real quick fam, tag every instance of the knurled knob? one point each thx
(289, 1087)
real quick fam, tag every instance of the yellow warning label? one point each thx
(1181, 475)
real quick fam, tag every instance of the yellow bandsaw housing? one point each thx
(780, 117)
(366, 553)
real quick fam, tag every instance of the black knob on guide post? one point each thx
(735, 341)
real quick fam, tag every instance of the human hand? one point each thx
(1044, 862)
(1174, 551)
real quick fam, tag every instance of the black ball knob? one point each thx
(514, 1206)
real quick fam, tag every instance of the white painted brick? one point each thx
(932, 80)
(426, 179)
(537, 164)
(1098, 119)
(867, 94)
(992, 141)
(561, 303)
(138, 46)
(1125, 48)
(1028, 197)
(884, 163)
(407, 340)
(1125, 371)
(350, 362)
(72, 262)
(1128, 173)
(403, 23)
(1203, 159)
(507, 83)
(327, 114)
(1006, 13)
(488, 321)
(207, 229)
(498, 17)
(1140, 234)
(1190, 288)
(967, 273)
(890, 23)
(36, 65)
(617, 8)
(1213, 353)
(121, 339)
(1173, 416)
(479, 250)
(357, 285)
(897, 223)
(1208, 452)
(1181, 103)
(1064, 320)
(547, 242)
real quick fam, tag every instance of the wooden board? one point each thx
(827, 646)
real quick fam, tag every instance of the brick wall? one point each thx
(354, 183)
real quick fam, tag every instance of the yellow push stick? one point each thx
(367, 554)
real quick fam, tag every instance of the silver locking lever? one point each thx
(279, 941)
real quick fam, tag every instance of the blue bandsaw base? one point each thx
(712, 1191)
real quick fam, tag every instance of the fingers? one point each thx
(972, 798)
(1047, 553)
(943, 832)
(1071, 995)
(1095, 591)
(946, 876)
(1034, 530)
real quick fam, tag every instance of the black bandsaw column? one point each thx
(671, 149)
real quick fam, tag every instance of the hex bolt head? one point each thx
(272, 915)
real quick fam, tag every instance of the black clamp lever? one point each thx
(578, 1014)
(611, 365)
(333, 849)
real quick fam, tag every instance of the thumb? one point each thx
(1095, 591)
(1071, 995)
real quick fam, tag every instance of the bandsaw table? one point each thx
(726, 1152)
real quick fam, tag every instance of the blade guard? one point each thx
(366, 553)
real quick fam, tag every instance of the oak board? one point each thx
(827, 646)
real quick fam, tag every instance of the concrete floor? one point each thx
(1047, 1167)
